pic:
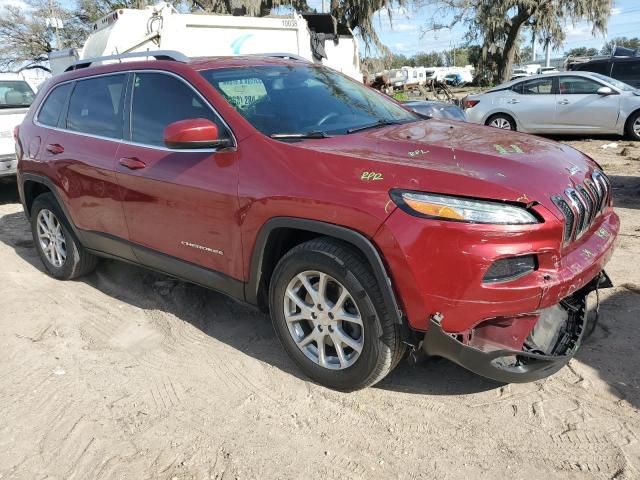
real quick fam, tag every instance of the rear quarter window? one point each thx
(52, 106)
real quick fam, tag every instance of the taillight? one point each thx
(471, 103)
(16, 130)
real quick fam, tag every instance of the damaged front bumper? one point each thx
(548, 338)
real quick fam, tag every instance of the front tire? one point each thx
(502, 121)
(633, 127)
(328, 312)
(61, 253)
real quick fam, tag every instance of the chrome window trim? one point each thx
(128, 142)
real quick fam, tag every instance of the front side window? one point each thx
(159, 100)
(625, 87)
(15, 94)
(577, 86)
(540, 86)
(53, 105)
(300, 99)
(95, 106)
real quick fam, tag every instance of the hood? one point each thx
(458, 158)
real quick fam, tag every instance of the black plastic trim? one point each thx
(356, 239)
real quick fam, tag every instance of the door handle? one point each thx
(564, 102)
(132, 163)
(55, 148)
(513, 100)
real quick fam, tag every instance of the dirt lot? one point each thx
(129, 374)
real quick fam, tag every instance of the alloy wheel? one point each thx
(636, 127)
(51, 238)
(500, 122)
(323, 320)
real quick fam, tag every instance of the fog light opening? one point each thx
(510, 268)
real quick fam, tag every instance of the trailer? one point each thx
(161, 27)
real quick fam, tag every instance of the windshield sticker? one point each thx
(243, 92)
(502, 150)
(371, 176)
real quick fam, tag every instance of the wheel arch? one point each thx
(501, 112)
(628, 119)
(278, 235)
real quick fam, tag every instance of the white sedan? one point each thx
(560, 103)
(15, 98)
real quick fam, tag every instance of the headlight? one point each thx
(444, 207)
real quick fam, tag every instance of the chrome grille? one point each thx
(581, 205)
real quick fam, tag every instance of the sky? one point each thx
(404, 35)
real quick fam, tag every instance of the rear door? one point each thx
(581, 109)
(532, 103)
(81, 145)
(181, 203)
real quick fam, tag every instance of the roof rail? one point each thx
(157, 54)
(290, 56)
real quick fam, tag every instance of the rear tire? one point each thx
(345, 346)
(502, 121)
(61, 253)
(633, 127)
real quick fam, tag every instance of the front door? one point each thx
(581, 109)
(180, 203)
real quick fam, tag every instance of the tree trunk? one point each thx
(505, 60)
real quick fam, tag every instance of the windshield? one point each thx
(15, 93)
(303, 99)
(616, 83)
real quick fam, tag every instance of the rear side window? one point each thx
(596, 67)
(539, 86)
(627, 71)
(159, 100)
(95, 106)
(53, 105)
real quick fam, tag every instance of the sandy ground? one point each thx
(130, 374)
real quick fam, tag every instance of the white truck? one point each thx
(16, 95)
(162, 27)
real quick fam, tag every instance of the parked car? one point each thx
(545, 70)
(15, 98)
(360, 227)
(624, 69)
(562, 102)
(431, 109)
(519, 73)
(454, 79)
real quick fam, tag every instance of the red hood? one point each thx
(464, 159)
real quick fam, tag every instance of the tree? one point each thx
(27, 34)
(632, 43)
(496, 24)
(582, 52)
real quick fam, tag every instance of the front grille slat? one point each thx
(580, 206)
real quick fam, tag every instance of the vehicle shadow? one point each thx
(240, 326)
(626, 190)
(8, 191)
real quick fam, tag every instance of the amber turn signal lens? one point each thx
(434, 210)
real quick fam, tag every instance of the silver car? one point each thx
(560, 102)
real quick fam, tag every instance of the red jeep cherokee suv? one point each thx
(362, 228)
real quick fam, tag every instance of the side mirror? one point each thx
(193, 133)
(604, 91)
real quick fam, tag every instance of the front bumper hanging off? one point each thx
(554, 339)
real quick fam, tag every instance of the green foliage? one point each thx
(400, 96)
(632, 43)
(582, 52)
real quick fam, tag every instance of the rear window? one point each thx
(52, 106)
(95, 106)
(15, 94)
(540, 86)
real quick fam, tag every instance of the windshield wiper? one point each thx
(317, 134)
(379, 123)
